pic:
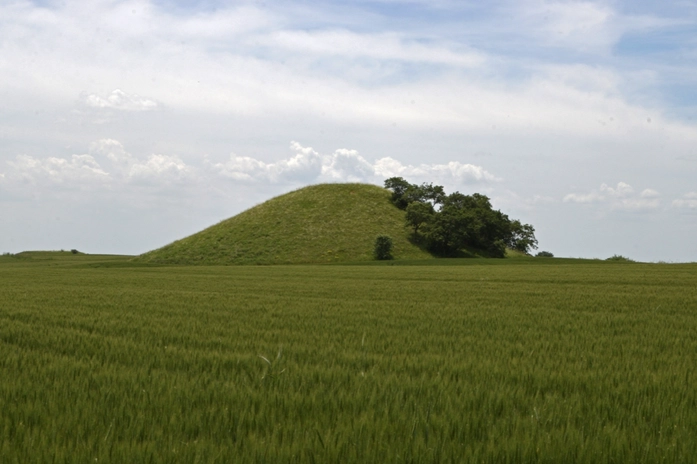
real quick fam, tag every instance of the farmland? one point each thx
(523, 361)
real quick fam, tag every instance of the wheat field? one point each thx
(587, 363)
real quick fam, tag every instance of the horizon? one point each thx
(127, 125)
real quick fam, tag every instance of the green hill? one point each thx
(317, 224)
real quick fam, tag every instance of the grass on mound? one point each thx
(316, 224)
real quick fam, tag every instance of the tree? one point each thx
(418, 214)
(448, 224)
(399, 187)
(404, 193)
(522, 237)
(433, 194)
(383, 247)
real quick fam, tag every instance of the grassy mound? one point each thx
(316, 224)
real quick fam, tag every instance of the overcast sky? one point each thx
(125, 125)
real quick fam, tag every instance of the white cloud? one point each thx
(113, 150)
(160, 168)
(688, 201)
(345, 165)
(453, 172)
(107, 165)
(385, 46)
(220, 25)
(622, 190)
(509, 200)
(74, 171)
(120, 100)
(637, 204)
(306, 165)
(236, 60)
(619, 198)
(579, 25)
(592, 27)
(592, 197)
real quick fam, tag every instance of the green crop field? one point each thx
(530, 361)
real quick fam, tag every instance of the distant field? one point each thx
(530, 361)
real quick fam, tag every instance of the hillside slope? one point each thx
(316, 224)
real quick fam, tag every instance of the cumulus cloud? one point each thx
(159, 168)
(688, 201)
(156, 168)
(622, 197)
(107, 164)
(348, 166)
(345, 165)
(121, 101)
(592, 197)
(452, 172)
(306, 165)
(113, 150)
(77, 170)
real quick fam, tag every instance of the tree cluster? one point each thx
(448, 224)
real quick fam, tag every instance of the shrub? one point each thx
(620, 259)
(544, 254)
(74, 251)
(383, 247)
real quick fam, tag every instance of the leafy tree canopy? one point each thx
(447, 224)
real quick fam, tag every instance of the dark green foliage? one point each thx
(619, 259)
(399, 188)
(74, 251)
(383, 247)
(460, 222)
(419, 213)
(404, 193)
(522, 237)
(544, 254)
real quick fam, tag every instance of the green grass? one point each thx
(317, 224)
(522, 361)
(55, 258)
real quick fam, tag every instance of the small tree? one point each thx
(544, 254)
(383, 247)
(418, 214)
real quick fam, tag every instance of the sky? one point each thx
(126, 125)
